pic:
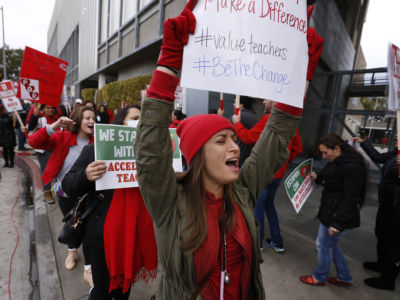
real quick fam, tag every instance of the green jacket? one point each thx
(166, 203)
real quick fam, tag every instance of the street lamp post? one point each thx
(4, 46)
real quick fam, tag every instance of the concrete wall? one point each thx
(144, 67)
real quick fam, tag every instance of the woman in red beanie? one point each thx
(204, 218)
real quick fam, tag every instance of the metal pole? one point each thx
(4, 47)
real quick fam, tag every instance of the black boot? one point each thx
(379, 283)
(5, 155)
(372, 266)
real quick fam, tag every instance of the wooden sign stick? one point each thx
(237, 105)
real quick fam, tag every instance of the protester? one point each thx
(21, 130)
(66, 145)
(120, 231)
(387, 226)
(177, 117)
(41, 116)
(344, 182)
(90, 104)
(7, 138)
(78, 103)
(248, 120)
(109, 112)
(102, 115)
(266, 200)
(210, 206)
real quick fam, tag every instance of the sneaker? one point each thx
(72, 258)
(278, 248)
(87, 276)
(48, 197)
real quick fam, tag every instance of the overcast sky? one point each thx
(27, 21)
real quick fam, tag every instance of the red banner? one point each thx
(41, 78)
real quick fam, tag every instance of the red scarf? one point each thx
(239, 255)
(129, 242)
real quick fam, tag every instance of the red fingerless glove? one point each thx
(162, 86)
(176, 35)
(315, 45)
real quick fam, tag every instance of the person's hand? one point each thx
(23, 129)
(61, 122)
(176, 35)
(220, 112)
(236, 118)
(357, 139)
(95, 170)
(315, 45)
(313, 175)
(398, 159)
(333, 231)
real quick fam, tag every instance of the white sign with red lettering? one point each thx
(6, 89)
(394, 77)
(11, 104)
(256, 48)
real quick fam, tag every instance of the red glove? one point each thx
(315, 43)
(176, 35)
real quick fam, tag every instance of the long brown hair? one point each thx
(195, 195)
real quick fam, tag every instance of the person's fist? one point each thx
(313, 175)
(176, 35)
(357, 139)
(95, 170)
(315, 45)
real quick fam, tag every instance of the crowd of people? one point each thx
(204, 226)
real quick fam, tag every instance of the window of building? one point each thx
(129, 8)
(143, 3)
(103, 21)
(114, 16)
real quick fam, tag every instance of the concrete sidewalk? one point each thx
(280, 271)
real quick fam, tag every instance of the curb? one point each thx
(49, 280)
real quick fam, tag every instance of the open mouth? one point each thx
(233, 163)
(91, 126)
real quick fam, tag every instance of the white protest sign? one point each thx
(6, 89)
(113, 144)
(255, 48)
(393, 70)
(11, 104)
(299, 184)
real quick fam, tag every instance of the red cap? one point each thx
(195, 131)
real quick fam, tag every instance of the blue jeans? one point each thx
(328, 251)
(265, 203)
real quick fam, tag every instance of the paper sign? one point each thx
(394, 77)
(6, 89)
(113, 144)
(255, 48)
(11, 104)
(299, 185)
(42, 77)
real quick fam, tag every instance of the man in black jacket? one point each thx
(387, 227)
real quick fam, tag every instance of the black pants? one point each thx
(387, 232)
(101, 277)
(66, 204)
(43, 158)
(8, 154)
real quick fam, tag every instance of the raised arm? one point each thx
(153, 149)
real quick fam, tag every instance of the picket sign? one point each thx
(41, 78)
(394, 85)
(299, 185)
(113, 144)
(257, 48)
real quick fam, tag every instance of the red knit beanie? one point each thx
(195, 131)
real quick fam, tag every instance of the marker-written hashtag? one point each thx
(203, 38)
(202, 64)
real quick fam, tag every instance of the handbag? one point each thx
(72, 231)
